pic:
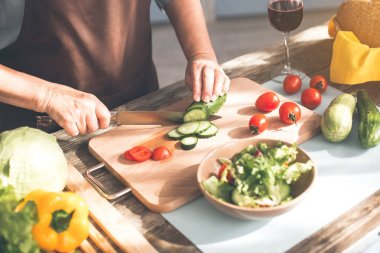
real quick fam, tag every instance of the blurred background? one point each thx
(236, 27)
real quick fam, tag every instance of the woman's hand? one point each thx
(77, 112)
(206, 78)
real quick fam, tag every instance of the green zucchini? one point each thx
(337, 119)
(369, 120)
(201, 111)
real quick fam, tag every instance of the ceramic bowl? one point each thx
(210, 166)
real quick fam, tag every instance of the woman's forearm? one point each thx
(188, 20)
(22, 90)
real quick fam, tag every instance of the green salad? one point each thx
(257, 176)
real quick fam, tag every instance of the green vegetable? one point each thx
(262, 175)
(189, 142)
(219, 189)
(201, 111)
(369, 120)
(16, 227)
(210, 132)
(32, 159)
(195, 114)
(337, 119)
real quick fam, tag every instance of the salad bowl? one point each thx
(210, 167)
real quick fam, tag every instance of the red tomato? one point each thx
(311, 98)
(289, 113)
(319, 83)
(128, 156)
(292, 84)
(267, 101)
(229, 175)
(258, 123)
(161, 153)
(140, 153)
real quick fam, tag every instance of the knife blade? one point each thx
(44, 122)
(146, 117)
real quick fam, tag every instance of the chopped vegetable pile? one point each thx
(258, 176)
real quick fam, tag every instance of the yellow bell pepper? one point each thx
(62, 220)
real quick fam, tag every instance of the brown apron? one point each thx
(98, 46)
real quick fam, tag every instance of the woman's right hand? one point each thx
(77, 112)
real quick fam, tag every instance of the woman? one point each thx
(75, 59)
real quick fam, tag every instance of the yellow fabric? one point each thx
(353, 62)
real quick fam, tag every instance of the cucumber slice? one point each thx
(175, 135)
(195, 114)
(195, 105)
(211, 131)
(189, 142)
(203, 126)
(188, 128)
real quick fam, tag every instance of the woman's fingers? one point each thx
(208, 75)
(103, 115)
(207, 79)
(77, 112)
(218, 84)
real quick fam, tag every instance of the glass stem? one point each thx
(287, 68)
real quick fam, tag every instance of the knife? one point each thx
(146, 117)
(44, 122)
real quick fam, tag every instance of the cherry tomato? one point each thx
(267, 102)
(140, 153)
(258, 123)
(311, 98)
(319, 83)
(161, 153)
(292, 84)
(289, 113)
(128, 156)
(229, 175)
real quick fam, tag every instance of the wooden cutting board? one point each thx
(165, 185)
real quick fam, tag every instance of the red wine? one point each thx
(285, 16)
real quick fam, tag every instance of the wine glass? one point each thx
(285, 16)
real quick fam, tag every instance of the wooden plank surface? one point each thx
(310, 52)
(125, 236)
(165, 185)
(345, 230)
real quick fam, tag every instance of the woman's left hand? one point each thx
(206, 78)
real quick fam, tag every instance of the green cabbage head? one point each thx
(31, 159)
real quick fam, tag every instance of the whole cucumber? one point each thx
(337, 119)
(369, 120)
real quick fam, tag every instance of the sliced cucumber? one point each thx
(211, 131)
(203, 126)
(188, 128)
(195, 105)
(195, 114)
(175, 135)
(189, 142)
(198, 111)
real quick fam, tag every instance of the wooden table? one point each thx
(311, 52)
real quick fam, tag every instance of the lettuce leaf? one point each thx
(16, 227)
